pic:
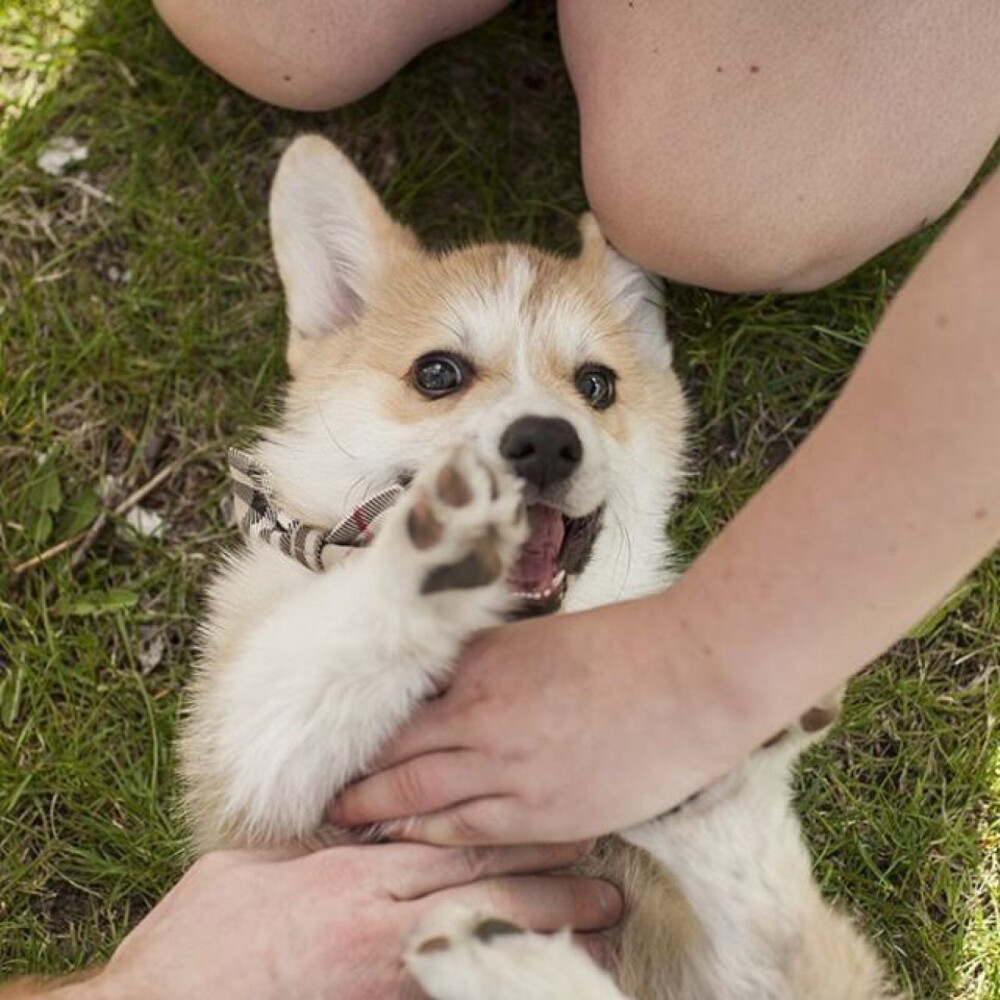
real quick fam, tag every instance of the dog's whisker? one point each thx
(365, 485)
(330, 434)
(625, 544)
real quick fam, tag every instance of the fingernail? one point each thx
(610, 900)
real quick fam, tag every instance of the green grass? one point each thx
(102, 378)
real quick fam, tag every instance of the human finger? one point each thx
(539, 902)
(416, 870)
(494, 819)
(424, 784)
(434, 729)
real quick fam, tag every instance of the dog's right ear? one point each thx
(633, 292)
(332, 238)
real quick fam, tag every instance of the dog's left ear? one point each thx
(333, 241)
(636, 295)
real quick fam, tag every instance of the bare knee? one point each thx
(696, 226)
(284, 53)
(742, 149)
(313, 57)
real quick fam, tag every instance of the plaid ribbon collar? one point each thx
(316, 548)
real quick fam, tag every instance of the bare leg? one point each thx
(778, 145)
(315, 54)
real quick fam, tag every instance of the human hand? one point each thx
(284, 925)
(553, 729)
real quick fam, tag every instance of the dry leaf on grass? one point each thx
(61, 153)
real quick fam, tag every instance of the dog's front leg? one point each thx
(308, 697)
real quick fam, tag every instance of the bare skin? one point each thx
(887, 505)
(327, 925)
(750, 147)
(313, 54)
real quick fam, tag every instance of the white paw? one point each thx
(458, 954)
(461, 526)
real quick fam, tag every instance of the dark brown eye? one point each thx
(597, 385)
(439, 374)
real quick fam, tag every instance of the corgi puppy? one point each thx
(469, 437)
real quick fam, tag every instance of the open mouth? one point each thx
(557, 548)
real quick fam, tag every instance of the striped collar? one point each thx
(258, 516)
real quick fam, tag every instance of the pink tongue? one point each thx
(538, 561)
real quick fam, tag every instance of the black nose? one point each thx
(542, 450)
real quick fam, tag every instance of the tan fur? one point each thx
(658, 926)
(404, 322)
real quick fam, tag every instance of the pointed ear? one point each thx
(332, 239)
(634, 293)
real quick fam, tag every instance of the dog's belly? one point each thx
(658, 926)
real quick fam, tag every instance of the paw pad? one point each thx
(819, 717)
(424, 529)
(490, 928)
(467, 519)
(811, 722)
(479, 568)
(453, 488)
(433, 945)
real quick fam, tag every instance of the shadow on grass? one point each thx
(104, 376)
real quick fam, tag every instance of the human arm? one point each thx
(282, 925)
(581, 724)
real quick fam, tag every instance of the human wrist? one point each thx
(725, 665)
(694, 695)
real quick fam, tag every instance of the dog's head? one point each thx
(558, 367)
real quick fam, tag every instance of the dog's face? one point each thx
(558, 368)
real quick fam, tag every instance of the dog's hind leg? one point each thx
(737, 853)
(457, 954)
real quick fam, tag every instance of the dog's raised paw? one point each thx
(458, 954)
(465, 521)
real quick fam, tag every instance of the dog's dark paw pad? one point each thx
(424, 529)
(453, 487)
(774, 740)
(819, 717)
(480, 567)
(432, 945)
(494, 483)
(683, 804)
(490, 928)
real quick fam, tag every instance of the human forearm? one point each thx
(892, 499)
